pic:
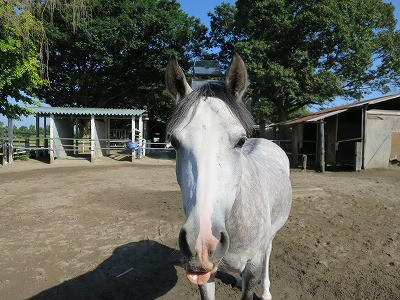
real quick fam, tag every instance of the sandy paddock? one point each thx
(108, 230)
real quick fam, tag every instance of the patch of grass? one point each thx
(22, 157)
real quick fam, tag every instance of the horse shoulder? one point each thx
(270, 154)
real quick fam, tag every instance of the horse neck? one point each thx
(248, 212)
(249, 193)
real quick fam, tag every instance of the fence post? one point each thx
(304, 162)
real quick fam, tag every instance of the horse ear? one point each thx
(175, 80)
(236, 78)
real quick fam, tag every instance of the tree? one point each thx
(224, 34)
(23, 46)
(308, 52)
(19, 62)
(117, 58)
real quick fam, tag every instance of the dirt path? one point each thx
(108, 230)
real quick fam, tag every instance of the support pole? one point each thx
(358, 156)
(51, 150)
(10, 141)
(363, 134)
(321, 146)
(46, 141)
(92, 136)
(4, 146)
(76, 137)
(37, 136)
(108, 124)
(140, 136)
(145, 134)
(133, 152)
(336, 137)
(295, 146)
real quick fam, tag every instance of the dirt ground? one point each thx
(108, 230)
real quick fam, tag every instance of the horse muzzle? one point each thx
(202, 253)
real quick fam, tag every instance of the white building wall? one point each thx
(63, 128)
(379, 127)
(101, 131)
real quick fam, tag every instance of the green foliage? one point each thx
(23, 48)
(223, 33)
(308, 52)
(117, 58)
(27, 132)
(19, 62)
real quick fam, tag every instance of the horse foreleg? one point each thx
(207, 290)
(251, 274)
(266, 295)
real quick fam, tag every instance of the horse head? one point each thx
(208, 129)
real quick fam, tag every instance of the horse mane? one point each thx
(217, 90)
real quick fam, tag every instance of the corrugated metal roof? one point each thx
(81, 111)
(322, 114)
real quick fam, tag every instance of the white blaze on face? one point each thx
(206, 181)
(204, 146)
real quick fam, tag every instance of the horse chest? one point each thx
(236, 262)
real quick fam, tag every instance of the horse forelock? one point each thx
(216, 90)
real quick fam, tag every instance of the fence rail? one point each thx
(25, 146)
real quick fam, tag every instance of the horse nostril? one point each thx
(224, 239)
(183, 244)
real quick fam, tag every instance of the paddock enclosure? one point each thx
(108, 230)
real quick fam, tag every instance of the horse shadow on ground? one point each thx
(139, 270)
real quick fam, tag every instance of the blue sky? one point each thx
(199, 9)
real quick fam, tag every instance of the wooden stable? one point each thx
(364, 134)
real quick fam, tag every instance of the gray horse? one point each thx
(236, 190)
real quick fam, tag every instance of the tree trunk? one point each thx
(282, 117)
(282, 114)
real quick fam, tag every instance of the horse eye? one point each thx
(240, 143)
(174, 142)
